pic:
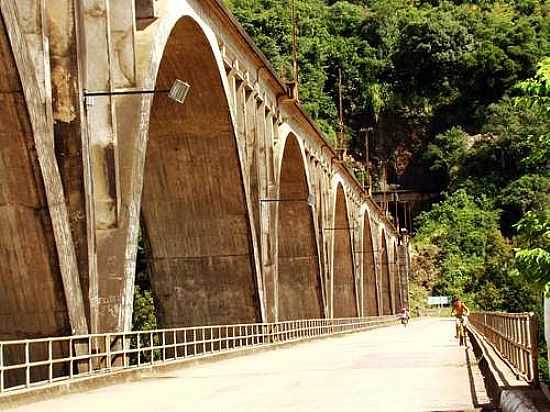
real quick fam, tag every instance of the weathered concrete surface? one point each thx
(396, 278)
(299, 278)
(193, 204)
(370, 280)
(386, 277)
(29, 272)
(418, 368)
(344, 296)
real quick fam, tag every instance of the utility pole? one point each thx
(341, 149)
(368, 164)
(385, 185)
(295, 70)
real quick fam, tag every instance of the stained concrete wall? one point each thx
(194, 213)
(370, 295)
(397, 286)
(32, 302)
(387, 296)
(112, 152)
(343, 279)
(298, 275)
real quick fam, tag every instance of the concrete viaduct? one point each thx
(247, 213)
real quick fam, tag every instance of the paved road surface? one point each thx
(418, 368)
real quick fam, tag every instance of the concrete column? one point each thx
(268, 220)
(25, 26)
(108, 68)
(71, 140)
(404, 269)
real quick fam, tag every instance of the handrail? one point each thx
(514, 336)
(29, 363)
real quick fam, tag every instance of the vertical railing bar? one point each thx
(50, 361)
(108, 350)
(27, 367)
(194, 342)
(138, 337)
(71, 362)
(1, 367)
(124, 352)
(213, 339)
(90, 351)
(185, 343)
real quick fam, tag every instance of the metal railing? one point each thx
(514, 336)
(37, 362)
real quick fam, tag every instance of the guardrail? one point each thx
(514, 336)
(37, 362)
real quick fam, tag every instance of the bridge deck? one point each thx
(418, 368)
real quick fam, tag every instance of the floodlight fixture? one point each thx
(179, 91)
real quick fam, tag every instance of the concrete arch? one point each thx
(299, 280)
(370, 282)
(194, 206)
(344, 302)
(387, 298)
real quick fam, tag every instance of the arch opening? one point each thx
(370, 297)
(299, 283)
(194, 210)
(344, 302)
(386, 279)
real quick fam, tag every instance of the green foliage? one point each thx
(534, 257)
(418, 298)
(529, 192)
(475, 261)
(144, 310)
(144, 315)
(446, 153)
(411, 70)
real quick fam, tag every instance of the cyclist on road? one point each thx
(460, 310)
(405, 315)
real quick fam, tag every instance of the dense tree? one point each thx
(412, 70)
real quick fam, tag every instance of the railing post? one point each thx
(27, 366)
(107, 349)
(50, 361)
(533, 319)
(1, 368)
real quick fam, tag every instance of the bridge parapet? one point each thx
(514, 336)
(35, 363)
